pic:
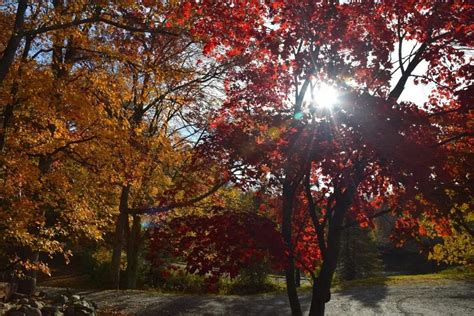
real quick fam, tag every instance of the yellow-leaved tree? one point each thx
(103, 104)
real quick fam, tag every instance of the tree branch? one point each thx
(312, 212)
(353, 223)
(454, 138)
(94, 19)
(172, 205)
(14, 41)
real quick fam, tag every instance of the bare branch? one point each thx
(173, 205)
(95, 19)
(454, 138)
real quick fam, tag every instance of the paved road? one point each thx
(426, 298)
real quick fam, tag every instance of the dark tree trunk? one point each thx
(133, 250)
(27, 283)
(10, 107)
(14, 41)
(119, 237)
(322, 285)
(288, 196)
(298, 278)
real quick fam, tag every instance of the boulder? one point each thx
(3, 290)
(61, 299)
(15, 312)
(70, 311)
(31, 311)
(37, 304)
(50, 310)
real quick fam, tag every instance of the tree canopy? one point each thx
(114, 113)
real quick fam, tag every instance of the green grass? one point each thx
(274, 287)
(458, 273)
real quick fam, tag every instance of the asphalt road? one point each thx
(424, 298)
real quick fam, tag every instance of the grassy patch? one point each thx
(72, 281)
(458, 273)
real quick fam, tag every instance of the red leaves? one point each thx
(186, 9)
(221, 243)
(277, 4)
(386, 149)
(209, 47)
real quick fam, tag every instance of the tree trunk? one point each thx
(322, 285)
(27, 285)
(298, 278)
(119, 237)
(8, 111)
(14, 41)
(133, 249)
(288, 196)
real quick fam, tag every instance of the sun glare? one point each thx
(325, 96)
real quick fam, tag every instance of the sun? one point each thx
(325, 96)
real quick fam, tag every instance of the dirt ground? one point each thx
(423, 298)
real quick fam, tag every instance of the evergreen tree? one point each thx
(359, 256)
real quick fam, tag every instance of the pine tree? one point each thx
(359, 256)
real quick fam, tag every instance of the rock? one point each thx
(85, 304)
(75, 298)
(37, 304)
(48, 295)
(9, 291)
(18, 296)
(23, 301)
(70, 311)
(85, 313)
(51, 311)
(4, 307)
(31, 311)
(15, 312)
(85, 309)
(3, 290)
(61, 299)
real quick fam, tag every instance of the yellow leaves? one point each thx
(455, 249)
(94, 109)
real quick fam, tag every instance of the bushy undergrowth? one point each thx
(252, 280)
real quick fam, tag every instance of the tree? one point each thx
(52, 123)
(182, 103)
(219, 243)
(79, 81)
(359, 256)
(368, 150)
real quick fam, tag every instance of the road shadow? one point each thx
(368, 294)
(258, 305)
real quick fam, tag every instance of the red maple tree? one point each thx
(369, 154)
